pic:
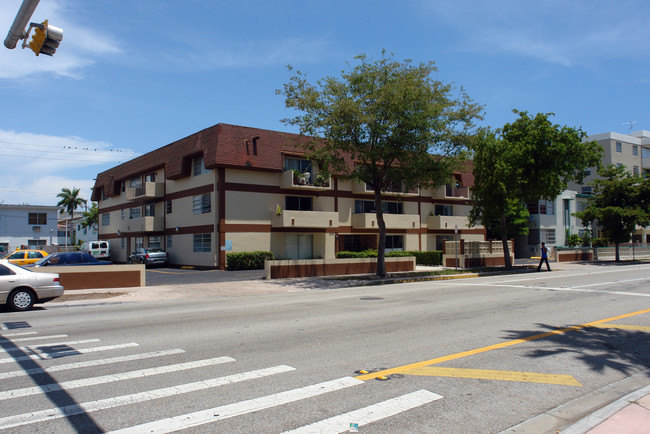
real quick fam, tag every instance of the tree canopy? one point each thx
(619, 204)
(525, 161)
(383, 123)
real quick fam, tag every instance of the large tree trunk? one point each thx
(381, 245)
(504, 241)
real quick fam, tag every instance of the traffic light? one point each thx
(46, 38)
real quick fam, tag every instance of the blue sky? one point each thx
(132, 76)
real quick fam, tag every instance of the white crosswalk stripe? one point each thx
(68, 353)
(366, 415)
(45, 347)
(104, 379)
(93, 363)
(34, 338)
(239, 408)
(88, 407)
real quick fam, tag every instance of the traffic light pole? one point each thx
(17, 30)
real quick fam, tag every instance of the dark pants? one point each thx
(541, 261)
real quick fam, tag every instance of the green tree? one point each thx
(91, 217)
(525, 161)
(380, 123)
(620, 203)
(70, 201)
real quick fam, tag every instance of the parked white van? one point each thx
(98, 249)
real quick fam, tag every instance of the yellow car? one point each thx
(24, 257)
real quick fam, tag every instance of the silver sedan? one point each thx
(21, 288)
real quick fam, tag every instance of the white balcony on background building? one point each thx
(393, 221)
(455, 192)
(362, 188)
(142, 224)
(305, 181)
(449, 222)
(150, 190)
(305, 219)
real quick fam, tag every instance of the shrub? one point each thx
(247, 260)
(599, 242)
(370, 253)
(574, 240)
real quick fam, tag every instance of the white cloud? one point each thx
(79, 48)
(36, 167)
(554, 31)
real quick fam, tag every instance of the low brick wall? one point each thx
(334, 267)
(573, 255)
(97, 276)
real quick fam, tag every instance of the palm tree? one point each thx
(70, 201)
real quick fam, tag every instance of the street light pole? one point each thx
(17, 30)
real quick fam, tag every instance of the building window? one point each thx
(123, 214)
(546, 207)
(394, 242)
(169, 242)
(297, 164)
(168, 207)
(150, 210)
(298, 246)
(154, 242)
(635, 170)
(202, 243)
(122, 243)
(368, 206)
(635, 150)
(298, 203)
(201, 204)
(135, 213)
(37, 218)
(150, 177)
(135, 182)
(548, 236)
(586, 190)
(619, 147)
(587, 172)
(198, 167)
(447, 210)
(106, 219)
(37, 244)
(103, 194)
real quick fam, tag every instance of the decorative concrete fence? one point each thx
(278, 269)
(627, 251)
(472, 254)
(97, 276)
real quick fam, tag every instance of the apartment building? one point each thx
(235, 189)
(33, 226)
(552, 221)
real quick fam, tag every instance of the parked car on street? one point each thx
(98, 249)
(149, 257)
(69, 258)
(20, 288)
(24, 257)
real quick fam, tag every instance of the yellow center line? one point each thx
(623, 326)
(401, 369)
(489, 374)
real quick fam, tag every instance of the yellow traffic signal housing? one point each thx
(38, 39)
(46, 38)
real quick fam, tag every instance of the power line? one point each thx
(77, 148)
(61, 159)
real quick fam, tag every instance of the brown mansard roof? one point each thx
(221, 145)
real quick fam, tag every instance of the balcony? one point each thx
(459, 192)
(305, 219)
(305, 181)
(393, 221)
(150, 190)
(449, 222)
(143, 224)
(362, 188)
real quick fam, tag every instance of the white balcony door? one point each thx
(298, 246)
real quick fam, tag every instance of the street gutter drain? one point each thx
(371, 298)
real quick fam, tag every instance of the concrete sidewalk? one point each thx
(595, 413)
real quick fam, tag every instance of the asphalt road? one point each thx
(470, 355)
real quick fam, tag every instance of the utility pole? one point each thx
(17, 30)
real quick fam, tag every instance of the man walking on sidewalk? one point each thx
(544, 258)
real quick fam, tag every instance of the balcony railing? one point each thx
(456, 191)
(143, 224)
(362, 188)
(305, 181)
(449, 222)
(305, 219)
(149, 190)
(393, 221)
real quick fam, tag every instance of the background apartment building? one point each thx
(552, 221)
(30, 226)
(236, 189)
